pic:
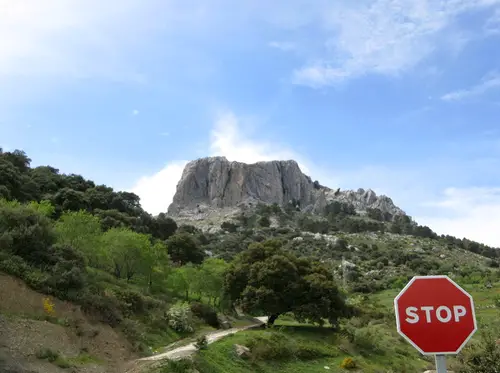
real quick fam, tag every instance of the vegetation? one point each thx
(326, 282)
(267, 279)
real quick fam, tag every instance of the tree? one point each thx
(82, 231)
(165, 226)
(183, 249)
(265, 278)
(126, 251)
(212, 273)
(179, 281)
(25, 232)
(157, 264)
(264, 221)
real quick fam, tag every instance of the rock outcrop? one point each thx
(216, 183)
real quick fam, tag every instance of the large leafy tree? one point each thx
(81, 230)
(267, 279)
(126, 251)
(183, 248)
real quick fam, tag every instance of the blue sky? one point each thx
(401, 96)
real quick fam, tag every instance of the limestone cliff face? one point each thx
(216, 183)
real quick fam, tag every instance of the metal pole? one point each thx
(440, 364)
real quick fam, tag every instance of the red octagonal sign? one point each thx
(435, 315)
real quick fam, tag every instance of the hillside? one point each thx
(262, 239)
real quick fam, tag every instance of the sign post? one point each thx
(436, 316)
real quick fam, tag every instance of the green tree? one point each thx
(25, 232)
(179, 281)
(264, 221)
(157, 265)
(164, 226)
(126, 251)
(81, 230)
(267, 279)
(183, 249)
(212, 273)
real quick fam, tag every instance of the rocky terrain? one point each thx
(213, 186)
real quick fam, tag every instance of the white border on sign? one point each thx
(398, 324)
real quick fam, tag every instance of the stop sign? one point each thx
(435, 315)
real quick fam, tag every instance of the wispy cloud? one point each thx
(78, 38)
(492, 26)
(489, 82)
(386, 37)
(285, 46)
(135, 112)
(472, 213)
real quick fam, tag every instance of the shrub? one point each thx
(178, 366)
(105, 307)
(201, 343)
(47, 354)
(13, 265)
(26, 232)
(483, 357)
(276, 347)
(132, 329)
(205, 313)
(348, 363)
(180, 317)
(132, 302)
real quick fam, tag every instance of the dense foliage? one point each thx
(268, 279)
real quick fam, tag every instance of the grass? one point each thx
(293, 349)
(371, 341)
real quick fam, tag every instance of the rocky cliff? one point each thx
(216, 183)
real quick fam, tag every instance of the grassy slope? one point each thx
(398, 356)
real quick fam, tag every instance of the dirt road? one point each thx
(183, 351)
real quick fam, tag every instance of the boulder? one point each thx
(242, 351)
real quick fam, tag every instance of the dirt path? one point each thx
(188, 349)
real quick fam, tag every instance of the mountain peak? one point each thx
(216, 183)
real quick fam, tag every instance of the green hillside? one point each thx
(328, 280)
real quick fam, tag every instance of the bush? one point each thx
(201, 343)
(205, 313)
(178, 366)
(47, 354)
(26, 232)
(131, 301)
(105, 307)
(348, 363)
(13, 265)
(483, 357)
(133, 330)
(180, 318)
(275, 347)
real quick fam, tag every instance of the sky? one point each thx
(400, 96)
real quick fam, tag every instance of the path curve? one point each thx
(189, 349)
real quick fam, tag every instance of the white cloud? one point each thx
(473, 213)
(226, 139)
(157, 191)
(282, 45)
(489, 82)
(492, 26)
(77, 38)
(383, 36)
